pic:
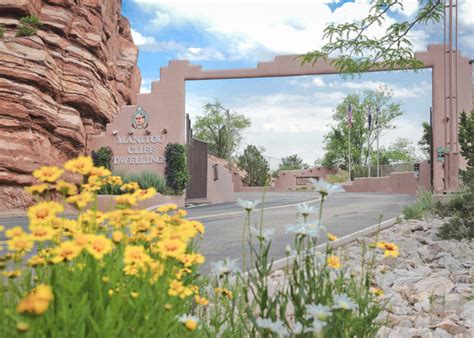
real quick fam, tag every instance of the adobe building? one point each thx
(140, 132)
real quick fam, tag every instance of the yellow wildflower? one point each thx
(81, 165)
(201, 300)
(66, 251)
(81, 240)
(181, 213)
(37, 301)
(12, 274)
(115, 180)
(130, 186)
(143, 194)
(333, 262)
(105, 279)
(15, 232)
(37, 189)
(81, 200)
(22, 326)
(20, 243)
(42, 233)
(331, 237)
(134, 294)
(47, 174)
(100, 172)
(44, 211)
(391, 250)
(171, 248)
(117, 236)
(192, 259)
(189, 322)
(126, 200)
(94, 183)
(376, 291)
(224, 292)
(36, 260)
(66, 188)
(198, 226)
(167, 207)
(99, 246)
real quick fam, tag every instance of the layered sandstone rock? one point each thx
(61, 85)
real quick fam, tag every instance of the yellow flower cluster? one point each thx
(149, 243)
(390, 249)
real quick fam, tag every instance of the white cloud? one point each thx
(418, 90)
(308, 82)
(145, 86)
(466, 14)
(149, 43)
(160, 20)
(199, 54)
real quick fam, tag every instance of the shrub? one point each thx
(425, 204)
(339, 177)
(144, 179)
(176, 172)
(2, 32)
(459, 211)
(28, 26)
(103, 157)
(255, 166)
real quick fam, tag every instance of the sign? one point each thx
(416, 169)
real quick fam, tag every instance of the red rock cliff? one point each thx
(60, 85)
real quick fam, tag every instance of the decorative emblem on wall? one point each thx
(140, 119)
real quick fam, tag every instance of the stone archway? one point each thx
(166, 103)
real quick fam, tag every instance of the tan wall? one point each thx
(397, 183)
(288, 179)
(107, 203)
(222, 189)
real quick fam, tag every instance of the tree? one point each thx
(292, 162)
(221, 128)
(401, 151)
(358, 50)
(255, 165)
(336, 142)
(425, 142)
(466, 143)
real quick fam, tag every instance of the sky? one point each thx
(291, 114)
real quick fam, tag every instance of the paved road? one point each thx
(343, 213)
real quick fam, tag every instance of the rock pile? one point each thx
(60, 85)
(429, 288)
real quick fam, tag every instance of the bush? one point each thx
(2, 32)
(103, 157)
(339, 177)
(425, 204)
(459, 211)
(255, 166)
(176, 172)
(28, 26)
(144, 179)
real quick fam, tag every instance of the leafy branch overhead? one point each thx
(356, 49)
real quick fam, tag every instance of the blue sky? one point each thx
(289, 115)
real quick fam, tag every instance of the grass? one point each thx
(425, 204)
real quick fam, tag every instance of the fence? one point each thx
(385, 170)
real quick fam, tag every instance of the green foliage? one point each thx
(176, 172)
(221, 128)
(255, 166)
(2, 32)
(103, 157)
(339, 177)
(401, 151)
(292, 162)
(28, 26)
(466, 142)
(425, 204)
(144, 179)
(360, 51)
(336, 142)
(459, 211)
(425, 141)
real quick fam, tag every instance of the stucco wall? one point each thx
(288, 179)
(222, 189)
(399, 183)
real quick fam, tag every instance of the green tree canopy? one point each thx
(357, 50)
(221, 128)
(292, 162)
(336, 142)
(466, 143)
(401, 151)
(255, 165)
(425, 142)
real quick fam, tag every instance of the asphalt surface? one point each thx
(343, 213)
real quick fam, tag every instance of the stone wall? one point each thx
(60, 85)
